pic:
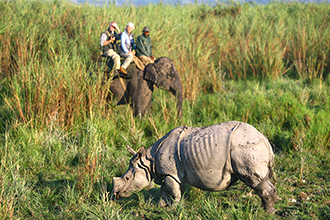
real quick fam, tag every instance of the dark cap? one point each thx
(146, 29)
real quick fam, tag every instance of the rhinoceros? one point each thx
(210, 158)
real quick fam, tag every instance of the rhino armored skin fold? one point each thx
(210, 158)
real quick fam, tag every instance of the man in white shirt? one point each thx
(127, 44)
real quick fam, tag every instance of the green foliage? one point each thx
(54, 173)
(49, 49)
(62, 140)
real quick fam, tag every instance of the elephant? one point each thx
(138, 89)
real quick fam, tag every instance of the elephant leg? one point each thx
(141, 107)
(141, 100)
(170, 189)
(119, 91)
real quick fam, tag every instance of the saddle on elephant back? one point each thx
(105, 64)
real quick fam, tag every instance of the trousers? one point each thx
(115, 58)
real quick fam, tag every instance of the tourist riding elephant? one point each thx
(138, 90)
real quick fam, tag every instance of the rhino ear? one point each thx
(142, 152)
(130, 150)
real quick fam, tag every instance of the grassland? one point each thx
(62, 142)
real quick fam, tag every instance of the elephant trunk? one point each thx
(177, 92)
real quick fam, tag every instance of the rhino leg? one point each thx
(265, 190)
(252, 165)
(268, 194)
(170, 189)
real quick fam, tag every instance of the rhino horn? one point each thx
(131, 150)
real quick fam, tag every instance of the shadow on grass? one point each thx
(57, 184)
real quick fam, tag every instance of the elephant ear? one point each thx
(160, 72)
(150, 73)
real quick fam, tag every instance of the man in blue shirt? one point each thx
(126, 49)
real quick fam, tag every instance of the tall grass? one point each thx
(48, 47)
(62, 140)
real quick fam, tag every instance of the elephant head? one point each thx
(138, 90)
(163, 74)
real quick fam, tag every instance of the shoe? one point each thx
(125, 76)
(122, 70)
